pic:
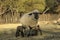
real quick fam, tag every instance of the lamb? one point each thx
(20, 30)
(32, 31)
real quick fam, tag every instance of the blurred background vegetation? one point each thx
(23, 5)
(27, 5)
(12, 9)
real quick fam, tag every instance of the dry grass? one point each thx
(50, 32)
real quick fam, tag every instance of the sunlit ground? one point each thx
(50, 32)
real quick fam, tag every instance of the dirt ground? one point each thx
(50, 32)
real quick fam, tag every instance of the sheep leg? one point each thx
(39, 30)
(19, 30)
(17, 33)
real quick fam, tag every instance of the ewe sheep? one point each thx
(28, 19)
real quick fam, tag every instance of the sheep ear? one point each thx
(30, 14)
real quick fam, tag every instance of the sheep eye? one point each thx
(30, 14)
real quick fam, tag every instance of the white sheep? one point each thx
(28, 20)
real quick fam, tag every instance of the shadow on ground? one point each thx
(47, 35)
